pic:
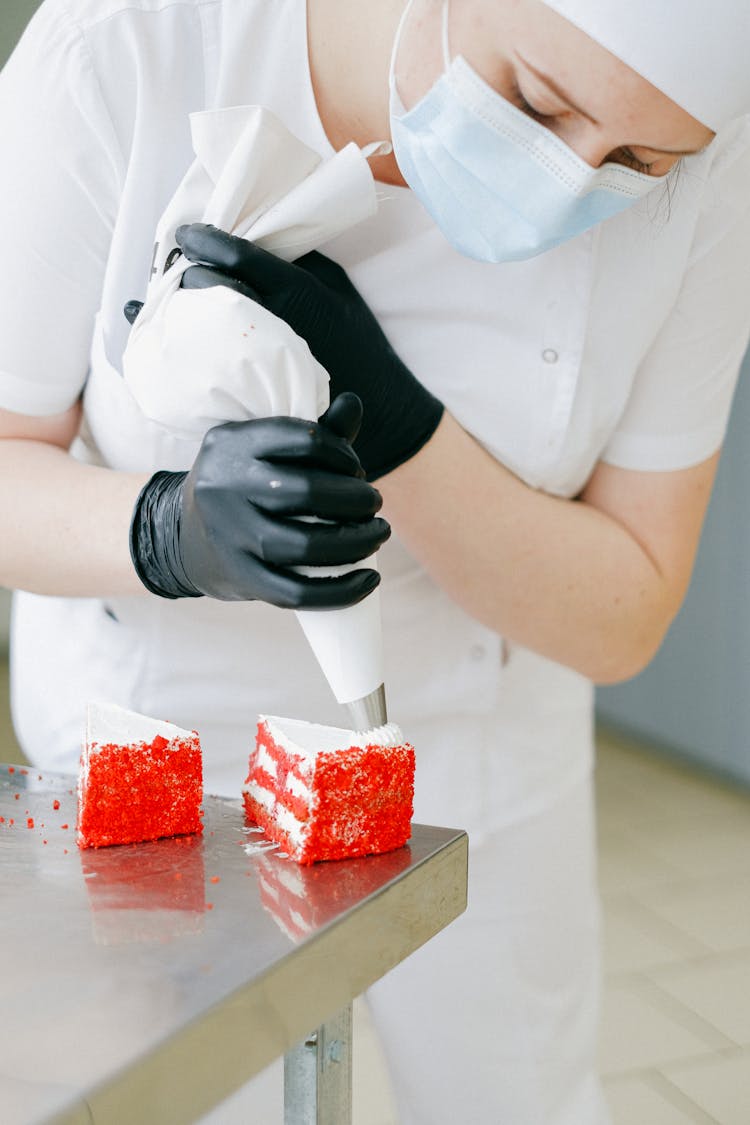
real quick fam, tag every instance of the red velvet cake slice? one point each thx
(325, 793)
(140, 779)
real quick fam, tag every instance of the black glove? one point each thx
(226, 528)
(316, 298)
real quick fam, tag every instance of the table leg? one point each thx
(318, 1075)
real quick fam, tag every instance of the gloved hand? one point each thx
(316, 298)
(226, 528)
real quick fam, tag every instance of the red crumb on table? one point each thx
(2, 820)
(30, 822)
(63, 825)
(209, 906)
(16, 796)
(141, 791)
(55, 805)
(11, 821)
(216, 878)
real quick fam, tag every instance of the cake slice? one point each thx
(140, 779)
(325, 793)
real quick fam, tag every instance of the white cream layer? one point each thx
(295, 829)
(264, 761)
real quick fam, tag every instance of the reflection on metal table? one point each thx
(123, 968)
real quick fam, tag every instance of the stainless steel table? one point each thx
(157, 978)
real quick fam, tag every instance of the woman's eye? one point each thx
(526, 107)
(625, 156)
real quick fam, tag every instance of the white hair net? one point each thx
(697, 52)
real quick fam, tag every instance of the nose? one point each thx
(594, 154)
(587, 141)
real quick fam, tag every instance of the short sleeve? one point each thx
(677, 412)
(62, 170)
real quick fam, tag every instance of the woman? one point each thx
(545, 354)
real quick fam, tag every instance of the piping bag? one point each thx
(197, 358)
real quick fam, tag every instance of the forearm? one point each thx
(65, 525)
(557, 576)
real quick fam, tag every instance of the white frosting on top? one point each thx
(106, 723)
(307, 740)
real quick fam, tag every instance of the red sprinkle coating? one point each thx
(11, 769)
(140, 791)
(359, 800)
(30, 822)
(55, 805)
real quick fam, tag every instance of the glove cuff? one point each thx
(155, 537)
(405, 424)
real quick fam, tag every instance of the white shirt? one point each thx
(622, 345)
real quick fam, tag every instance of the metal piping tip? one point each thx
(368, 712)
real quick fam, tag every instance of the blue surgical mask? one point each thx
(498, 184)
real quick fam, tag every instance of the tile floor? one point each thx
(675, 877)
(674, 862)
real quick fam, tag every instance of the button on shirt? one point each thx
(622, 345)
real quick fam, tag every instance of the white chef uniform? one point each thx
(623, 344)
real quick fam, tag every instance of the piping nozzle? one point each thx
(369, 711)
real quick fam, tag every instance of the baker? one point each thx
(544, 324)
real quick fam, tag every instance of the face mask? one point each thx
(498, 184)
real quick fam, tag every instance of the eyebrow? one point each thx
(567, 100)
(552, 85)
